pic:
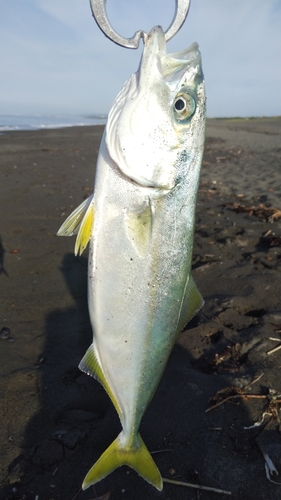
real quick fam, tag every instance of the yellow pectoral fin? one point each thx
(136, 456)
(81, 222)
(192, 302)
(72, 224)
(85, 231)
(90, 365)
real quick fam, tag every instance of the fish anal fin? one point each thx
(192, 302)
(90, 365)
(135, 455)
(139, 228)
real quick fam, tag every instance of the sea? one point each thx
(39, 122)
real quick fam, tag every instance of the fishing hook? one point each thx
(99, 13)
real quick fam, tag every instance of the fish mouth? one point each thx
(170, 66)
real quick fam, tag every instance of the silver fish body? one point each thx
(140, 290)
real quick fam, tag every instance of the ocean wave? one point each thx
(9, 123)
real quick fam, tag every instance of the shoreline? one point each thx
(17, 128)
(45, 122)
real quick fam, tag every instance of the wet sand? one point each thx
(56, 421)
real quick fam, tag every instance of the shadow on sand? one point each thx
(77, 421)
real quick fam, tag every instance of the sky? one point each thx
(54, 58)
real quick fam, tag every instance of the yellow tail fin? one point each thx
(136, 456)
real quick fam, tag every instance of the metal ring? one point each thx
(99, 12)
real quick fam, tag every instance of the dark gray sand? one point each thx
(56, 421)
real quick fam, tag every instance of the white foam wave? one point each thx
(10, 123)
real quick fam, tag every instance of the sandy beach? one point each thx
(56, 421)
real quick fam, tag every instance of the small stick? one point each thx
(235, 396)
(161, 451)
(254, 381)
(196, 486)
(257, 424)
(270, 469)
(267, 473)
(75, 496)
(274, 350)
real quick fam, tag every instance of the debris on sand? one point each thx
(269, 240)
(196, 486)
(269, 214)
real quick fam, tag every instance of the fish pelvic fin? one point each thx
(117, 454)
(89, 364)
(79, 222)
(192, 302)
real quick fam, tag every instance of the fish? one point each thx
(139, 223)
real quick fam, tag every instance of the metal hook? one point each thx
(99, 12)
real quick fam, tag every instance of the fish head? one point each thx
(158, 118)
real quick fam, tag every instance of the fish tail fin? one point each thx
(135, 456)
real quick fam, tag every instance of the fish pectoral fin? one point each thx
(139, 229)
(192, 302)
(85, 231)
(79, 221)
(135, 456)
(72, 224)
(89, 364)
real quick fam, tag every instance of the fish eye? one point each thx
(184, 106)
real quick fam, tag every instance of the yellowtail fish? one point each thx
(140, 224)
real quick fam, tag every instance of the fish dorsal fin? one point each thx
(79, 221)
(192, 302)
(139, 228)
(89, 364)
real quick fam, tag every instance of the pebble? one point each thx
(5, 333)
